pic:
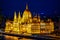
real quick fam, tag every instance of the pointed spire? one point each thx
(36, 15)
(15, 17)
(26, 6)
(19, 17)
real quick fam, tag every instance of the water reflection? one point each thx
(15, 38)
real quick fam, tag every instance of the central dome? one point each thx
(26, 13)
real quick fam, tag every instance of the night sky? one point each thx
(42, 7)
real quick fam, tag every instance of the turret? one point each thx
(15, 17)
(19, 17)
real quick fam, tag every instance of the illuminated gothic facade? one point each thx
(28, 25)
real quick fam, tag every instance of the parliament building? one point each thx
(28, 25)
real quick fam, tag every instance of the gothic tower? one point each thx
(15, 17)
(19, 18)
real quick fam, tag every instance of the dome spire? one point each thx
(26, 6)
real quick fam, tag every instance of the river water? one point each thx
(13, 38)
